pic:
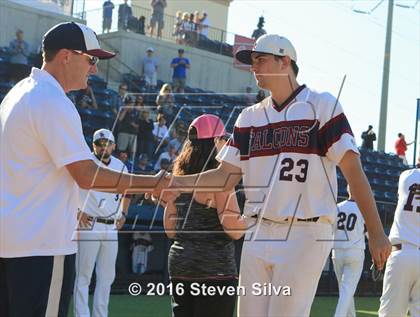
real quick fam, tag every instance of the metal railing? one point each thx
(217, 40)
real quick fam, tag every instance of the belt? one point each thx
(398, 247)
(106, 221)
(290, 219)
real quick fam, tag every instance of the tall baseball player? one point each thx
(348, 254)
(286, 148)
(401, 286)
(101, 215)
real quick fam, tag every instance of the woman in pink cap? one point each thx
(203, 226)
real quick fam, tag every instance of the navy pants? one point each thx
(36, 286)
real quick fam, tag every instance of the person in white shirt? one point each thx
(204, 25)
(150, 67)
(160, 133)
(401, 285)
(348, 254)
(44, 159)
(101, 215)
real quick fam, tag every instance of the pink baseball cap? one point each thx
(208, 126)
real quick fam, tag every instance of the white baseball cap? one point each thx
(268, 44)
(150, 49)
(103, 134)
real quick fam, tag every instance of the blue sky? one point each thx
(333, 42)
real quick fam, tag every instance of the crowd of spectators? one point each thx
(188, 27)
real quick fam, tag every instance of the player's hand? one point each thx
(380, 249)
(121, 221)
(83, 220)
(162, 193)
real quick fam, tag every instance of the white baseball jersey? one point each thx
(406, 226)
(350, 227)
(100, 204)
(288, 154)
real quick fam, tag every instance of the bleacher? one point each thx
(382, 169)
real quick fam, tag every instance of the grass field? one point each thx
(154, 306)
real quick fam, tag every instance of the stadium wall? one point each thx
(208, 70)
(33, 22)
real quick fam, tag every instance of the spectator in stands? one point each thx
(119, 102)
(197, 25)
(87, 98)
(142, 23)
(401, 147)
(187, 29)
(368, 137)
(143, 167)
(177, 140)
(165, 102)
(170, 155)
(123, 156)
(158, 11)
(203, 226)
(166, 165)
(180, 65)
(150, 67)
(19, 50)
(259, 31)
(249, 96)
(139, 104)
(145, 137)
(177, 33)
(124, 14)
(128, 126)
(204, 25)
(107, 9)
(260, 96)
(160, 132)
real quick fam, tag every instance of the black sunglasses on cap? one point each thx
(103, 142)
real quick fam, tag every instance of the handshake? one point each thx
(166, 190)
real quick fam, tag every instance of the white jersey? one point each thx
(40, 133)
(406, 226)
(350, 227)
(288, 155)
(101, 204)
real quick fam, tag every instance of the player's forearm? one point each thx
(361, 192)
(214, 180)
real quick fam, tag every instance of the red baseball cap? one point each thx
(208, 126)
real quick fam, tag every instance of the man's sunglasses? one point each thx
(93, 60)
(102, 143)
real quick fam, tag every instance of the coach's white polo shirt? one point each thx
(40, 133)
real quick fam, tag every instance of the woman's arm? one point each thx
(229, 215)
(169, 220)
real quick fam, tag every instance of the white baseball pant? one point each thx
(348, 267)
(283, 255)
(401, 287)
(100, 247)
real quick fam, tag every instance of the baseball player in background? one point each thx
(286, 148)
(401, 286)
(101, 215)
(348, 254)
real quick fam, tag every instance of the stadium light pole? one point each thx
(385, 73)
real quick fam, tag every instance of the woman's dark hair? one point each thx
(197, 155)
